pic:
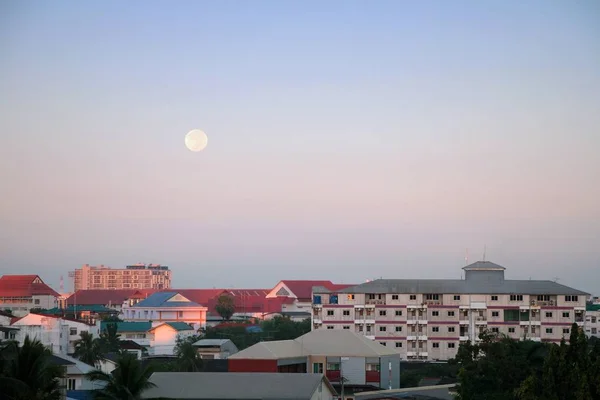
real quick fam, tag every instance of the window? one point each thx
(394, 297)
(495, 313)
(594, 331)
(398, 344)
(382, 313)
(72, 331)
(451, 345)
(432, 297)
(318, 368)
(548, 315)
(511, 330)
(571, 298)
(371, 296)
(413, 297)
(548, 330)
(37, 301)
(435, 313)
(451, 329)
(593, 320)
(346, 312)
(382, 328)
(360, 328)
(346, 327)
(435, 329)
(565, 315)
(436, 345)
(368, 328)
(350, 297)
(180, 314)
(329, 313)
(456, 298)
(383, 343)
(543, 298)
(494, 298)
(495, 330)
(398, 313)
(71, 384)
(329, 326)
(451, 313)
(333, 366)
(516, 297)
(398, 329)
(566, 330)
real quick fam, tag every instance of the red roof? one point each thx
(24, 286)
(303, 289)
(105, 297)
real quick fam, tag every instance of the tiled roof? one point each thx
(303, 289)
(161, 299)
(128, 326)
(24, 286)
(105, 297)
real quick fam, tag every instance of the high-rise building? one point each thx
(136, 276)
(427, 319)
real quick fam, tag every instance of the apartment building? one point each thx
(427, 319)
(592, 320)
(136, 276)
(21, 293)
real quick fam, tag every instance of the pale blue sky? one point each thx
(347, 139)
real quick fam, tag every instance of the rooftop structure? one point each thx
(21, 293)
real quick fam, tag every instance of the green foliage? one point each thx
(411, 377)
(225, 306)
(110, 339)
(127, 382)
(188, 359)
(278, 328)
(499, 368)
(88, 349)
(27, 372)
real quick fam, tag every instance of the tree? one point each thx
(88, 349)
(283, 328)
(127, 382)
(110, 339)
(27, 372)
(225, 306)
(188, 359)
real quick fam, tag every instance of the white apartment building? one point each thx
(427, 319)
(592, 320)
(136, 276)
(58, 334)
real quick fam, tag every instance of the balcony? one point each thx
(463, 338)
(480, 320)
(433, 302)
(376, 302)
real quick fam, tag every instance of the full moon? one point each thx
(196, 140)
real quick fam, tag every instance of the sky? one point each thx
(347, 140)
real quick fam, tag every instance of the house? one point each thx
(112, 299)
(166, 307)
(75, 371)
(239, 386)
(21, 293)
(135, 331)
(163, 337)
(59, 334)
(592, 320)
(363, 363)
(215, 348)
(299, 295)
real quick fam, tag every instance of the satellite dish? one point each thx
(196, 140)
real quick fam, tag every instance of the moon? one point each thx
(196, 140)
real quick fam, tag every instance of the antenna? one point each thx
(62, 284)
(466, 257)
(556, 279)
(484, 251)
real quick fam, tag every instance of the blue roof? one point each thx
(128, 326)
(160, 299)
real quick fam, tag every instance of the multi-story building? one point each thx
(21, 293)
(592, 320)
(137, 276)
(427, 319)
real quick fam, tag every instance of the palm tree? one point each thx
(188, 359)
(27, 372)
(88, 349)
(110, 338)
(127, 382)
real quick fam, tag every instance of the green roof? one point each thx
(96, 308)
(128, 326)
(180, 326)
(592, 307)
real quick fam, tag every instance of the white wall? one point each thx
(164, 338)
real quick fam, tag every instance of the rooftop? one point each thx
(128, 326)
(24, 286)
(320, 342)
(167, 299)
(178, 326)
(234, 385)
